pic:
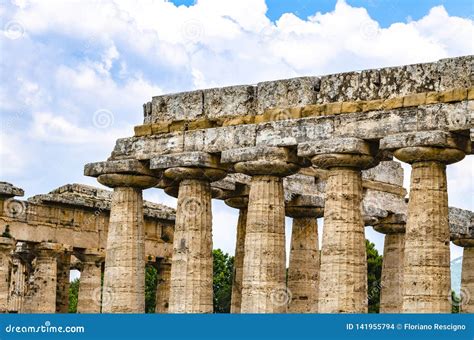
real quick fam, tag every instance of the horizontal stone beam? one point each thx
(193, 159)
(426, 138)
(9, 190)
(292, 132)
(334, 145)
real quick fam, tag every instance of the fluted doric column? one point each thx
(263, 282)
(6, 246)
(124, 275)
(426, 284)
(42, 287)
(62, 292)
(89, 297)
(20, 272)
(303, 270)
(191, 289)
(240, 203)
(391, 297)
(163, 286)
(343, 273)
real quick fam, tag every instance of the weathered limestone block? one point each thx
(288, 92)
(124, 275)
(240, 203)
(8, 190)
(229, 102)
(178, 106)
(6, 246)
(303, 270)
(186, 159)
(191, 269)
(43, 283)
(163, 286)
(125, 166)
(386, 171)
(461, 223)
(89, 297)
(439, 139)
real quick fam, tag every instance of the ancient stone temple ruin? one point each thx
(46, 236)
(325, 147)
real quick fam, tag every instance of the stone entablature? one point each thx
(78, 215)
(223, 105)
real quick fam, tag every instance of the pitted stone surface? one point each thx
(179, 106)
(461, 223)
(230, 102)
(9, 190)
(186, 159)
(263, 284)
(343, 275)
(467, 281)
(335, 145)
(426, 138)
(191, 268)
(426, 286)
(163, 287)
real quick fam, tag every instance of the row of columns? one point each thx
(35, 279)
(260, 272)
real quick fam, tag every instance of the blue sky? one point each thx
(386, 12)
(76, 73)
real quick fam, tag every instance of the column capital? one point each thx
(464, 242)
(51, 249)
(263, 160)
(392, 224)
(301, 206)
(7, 243)
(425, 146)
(90, 255)
(340, 152)
(240, 202)
(127, 180)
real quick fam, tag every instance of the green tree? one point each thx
(73, 293)
(374, 273)
(222, 283)
(455, 302)
(151, 280)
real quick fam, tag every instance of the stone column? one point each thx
(467, 276)
(6, 246)
(391, 297)
(303, 270)
(343, 273)
(426, 284)
(192, 270)
(89, 297)
(62, 292)
(263, 282)
(240, 203)
(20, 272)
(163, 286)
(124, 275)
(43, 283)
